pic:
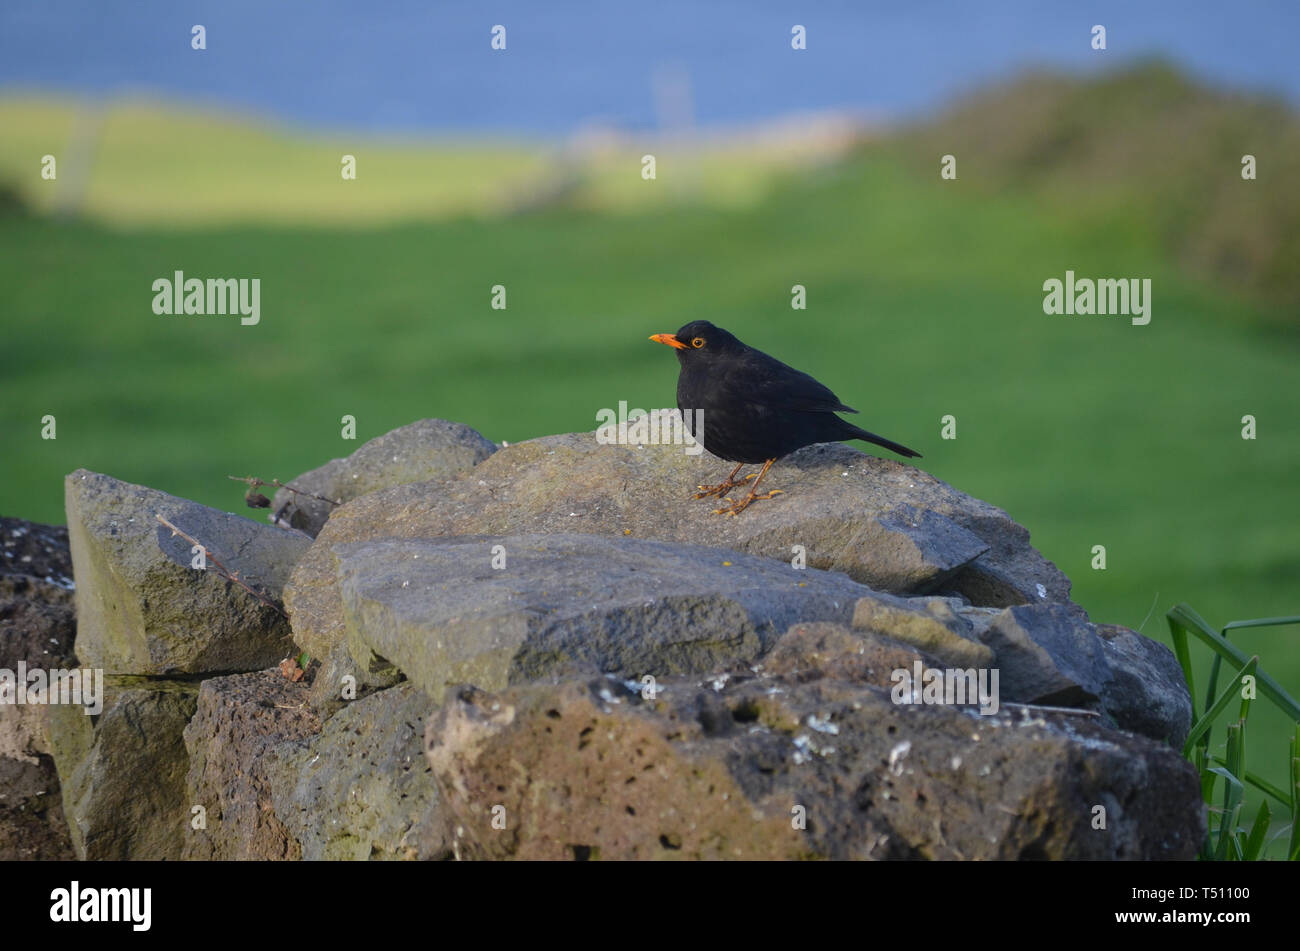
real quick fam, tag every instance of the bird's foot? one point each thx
(721, 489)
(736, 506)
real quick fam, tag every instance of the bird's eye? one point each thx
(697, 342)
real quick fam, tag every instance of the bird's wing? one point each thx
(767, 381)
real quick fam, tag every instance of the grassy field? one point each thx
(924, 299)
(137, 163)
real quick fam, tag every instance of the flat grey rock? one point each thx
(440, 611)
(885, 524)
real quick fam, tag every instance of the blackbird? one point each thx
(754, 408)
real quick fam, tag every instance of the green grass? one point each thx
(1227, 769)
(186, 168)
(178, 166)
(924, 299)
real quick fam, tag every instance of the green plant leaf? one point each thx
(1293, 850)
(1178, 620)
(1262, 784)
(1185, 618)
(1258, 830)
(1262, 622)
(1203, 724)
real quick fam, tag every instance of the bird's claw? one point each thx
(721, 489)
(736, 507)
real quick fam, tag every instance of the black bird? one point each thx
(754, 407)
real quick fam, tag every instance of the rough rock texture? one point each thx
(277, 784)
(824, 649)
(142, 610)
(38, 622)
(362, 788)
(930, 624)
(123, 774)
(37, 551)
(1146, 692)
(1050, 654)
(238, 720)
(440, 611)
(447, 611)
(331, 689)
(557, 574)
(777, 768)
(32, 824)
(37, 627)
(424, 450)
(885, 524)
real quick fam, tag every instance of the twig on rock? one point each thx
(1035, 706)
(253, 482)
(221, 569)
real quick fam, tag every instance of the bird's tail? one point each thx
(853, 432)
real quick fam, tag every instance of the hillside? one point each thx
(1151, 147)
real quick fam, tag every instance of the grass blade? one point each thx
(1194, 624)
(1179, 618)
(1262, 784)
(1262, 622)
(1293, 850)
(1258, 830)
(1203, 724)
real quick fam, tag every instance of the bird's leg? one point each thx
(722, 488)
(735, 507)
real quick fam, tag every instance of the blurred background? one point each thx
(775, 167)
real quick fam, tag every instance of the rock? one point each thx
(1050, 654)
(123, 776)
(37, 628)
(326, 693)
(437, 611)
(824, 649)
(238, 720)
(32, 824)
(769, 768)
(362, 788)
(883, 523)
(930, 624)
(142, 610)
(492, 627)
(1147, 692)
(440, 612)
(37, 551)
(38, 623)
(278, 784)
(424, 450)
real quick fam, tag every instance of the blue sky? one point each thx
(420, 67)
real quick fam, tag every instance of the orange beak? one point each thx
(670, 340)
